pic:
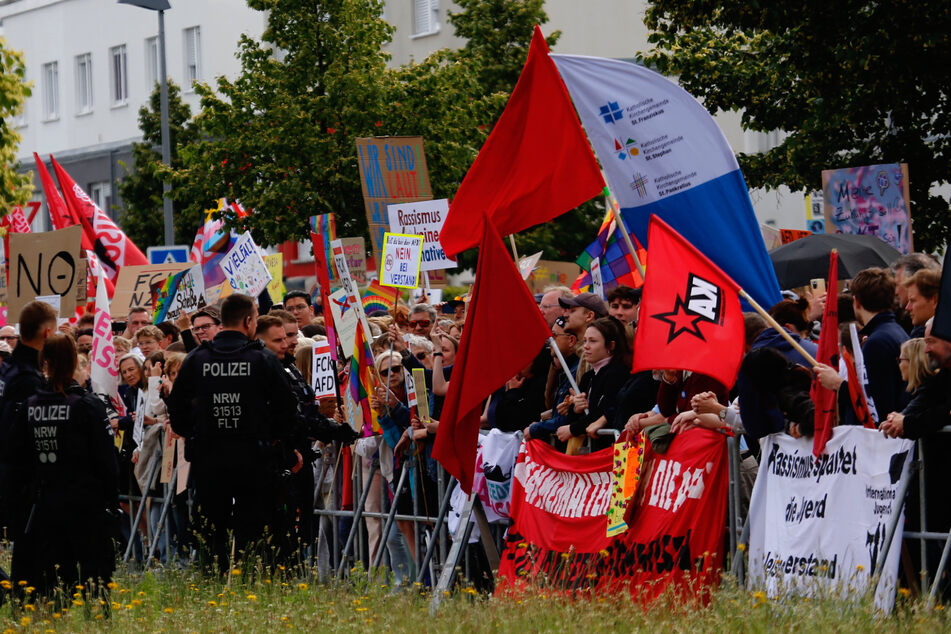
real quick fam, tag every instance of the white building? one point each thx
(94, 63)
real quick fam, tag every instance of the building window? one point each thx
(425, 17)
(101, 194)
(84, 83)
(151, 61)
(192, 56)
(120, 76)
(51, 91)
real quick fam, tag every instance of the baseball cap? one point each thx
(586, 300)
(208, 311)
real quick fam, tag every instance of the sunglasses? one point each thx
(421, 323)
(385, 372)
(421, 355)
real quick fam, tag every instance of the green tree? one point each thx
(141, 189)
(851, 82)
(15, 188)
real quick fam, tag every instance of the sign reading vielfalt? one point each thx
(817, 525)
(392, 170)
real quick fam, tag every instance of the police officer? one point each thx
(309, 425)
(63, 445)
(20, 378)
(232, 404)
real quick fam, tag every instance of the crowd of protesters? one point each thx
(233, 385)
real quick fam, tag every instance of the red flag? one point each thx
(109, 242)
(690, 316)
(826, 401)
(535, 165)
(60, 217)
(488, 355)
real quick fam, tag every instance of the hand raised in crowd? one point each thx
(684, 421)
(66, 328)
(705, 403)
(579, 401)
(165, 387)
(563, 433)
(155, 369)
(515, 382)
(894, 425)
(183, 322)
(383, 398)
(397, 338)
(817, 305)
(828, 376)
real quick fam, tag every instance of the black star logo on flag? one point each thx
(681, 320)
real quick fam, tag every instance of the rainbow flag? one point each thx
(379, 297)
(163, 296)
(617, 265)
(325, 226)
(361, 382)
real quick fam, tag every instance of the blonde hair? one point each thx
(919, 369)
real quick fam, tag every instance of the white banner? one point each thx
(402, 255)
(495, 464)
(817, 526)
(323, 375)
(424, 218)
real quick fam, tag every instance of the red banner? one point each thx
(676, 521)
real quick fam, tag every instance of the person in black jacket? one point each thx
(594, 408)
(235, 408)
(63, 443)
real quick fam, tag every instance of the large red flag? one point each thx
(535, 165)
(826, 401)
(111, 245)
(690, 317)
(490, 353)
(60, 217)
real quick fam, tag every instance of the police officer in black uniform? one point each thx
(233, 405)
(63, 445)
(20, 378)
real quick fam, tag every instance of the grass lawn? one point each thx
(177, 601)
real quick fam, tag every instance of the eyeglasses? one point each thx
(420, 323)
(297, 308)
(9, 337)
(421, 355)
(204, 327)
(564, 334)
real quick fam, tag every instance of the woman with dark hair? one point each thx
(594, 408)
(61, 440)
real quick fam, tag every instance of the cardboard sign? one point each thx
(355, 250)
(346, 282)
(323, 371)
(549, 273)
(168, 457)
(275, 266)
(244, 267)
(597, 284)
(346, 320)
(791, 235)
(392, 170)
(871, 200)
(47, 263)
(425, 219)
(402, 255)
(134, 286)
(182, 292)
(422, 397)
(528, 263)
(815, 212)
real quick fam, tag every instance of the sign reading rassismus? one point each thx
(424, 218)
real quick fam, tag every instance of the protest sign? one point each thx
(355, 250)
(401, 260)
(815, 212)
(872, 200)
(45, 263)
(771, 237)
(492, 480)
(134, 286)
(244, 267)
(410, 388)
(424, 218)
(597, 284)
(51, 300)
(528, 263)
(275, 266)
(437, 279)
(426, 295)
(181, 482)
(550, 273)
(182, 292)
(348, 285)
(791, 235)
(346, 320)
(168, 458)
(817, 526)
(392, 170)
(323, 373)
(422, 396)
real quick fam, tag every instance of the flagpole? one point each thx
(778, 328)
(564, 366)
(514, 251)
(612, 202)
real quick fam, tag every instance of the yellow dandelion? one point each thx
(21, 583)
(77, 595)
(112, 585)
(78, 602)
(356, 601)
(285, 619)
(603, 553)
(213, 604)
(302, 586)
(140, 593)
(236, 572)
(29, 607)
(116, 605)
(136, 602)
(100, 617)
(124, 591)
(57, 615)
(267, 581)
(6, 585)
(860, 568)
(362, 609)
(129, 606)
(29, 589)
(9, 630)
(80, 586)
(25, 621)
(741, 547)
(904, 592)
(252, 597)
(759, 596)
(565, 556)
(168, 610)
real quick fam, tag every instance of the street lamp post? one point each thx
(161, 6)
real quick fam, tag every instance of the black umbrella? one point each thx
(807, 258)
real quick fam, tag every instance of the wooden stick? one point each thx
(514, 251)
(778, 328)
(612, 202)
